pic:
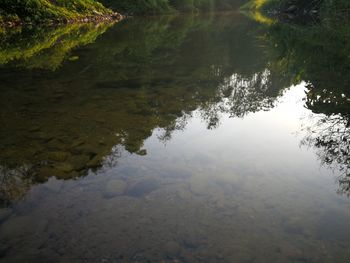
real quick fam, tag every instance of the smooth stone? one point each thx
(114, 187)
(142, 152)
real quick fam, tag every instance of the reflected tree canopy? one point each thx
(65, 115)
(319, 55)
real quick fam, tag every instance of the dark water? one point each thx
(175, 139)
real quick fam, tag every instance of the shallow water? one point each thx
(172, 139)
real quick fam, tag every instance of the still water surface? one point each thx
(172, 139)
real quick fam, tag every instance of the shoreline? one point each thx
(55, 22)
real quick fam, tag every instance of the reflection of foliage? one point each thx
(328, 101)
(161, 6)
(237, 96)
(141, 75)
(331, 136)
(14, 184)
(318, 53)
(249, 95)
(46, 48)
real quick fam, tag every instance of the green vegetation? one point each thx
(166, 6)
(321, 9)
(41, 11)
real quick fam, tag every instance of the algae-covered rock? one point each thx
(94, 162)
(44, 173)
(64, 167)
(114, 187)
(58, 156)
(79, 162)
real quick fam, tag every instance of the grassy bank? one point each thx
(14, 12)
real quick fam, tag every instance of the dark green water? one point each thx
(175, 139)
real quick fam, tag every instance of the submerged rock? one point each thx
(4, 214)
(143, 188)
(171, 249)
(199, 185)
(114, 188)
(291, 9)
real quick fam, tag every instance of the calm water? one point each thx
(174, 139)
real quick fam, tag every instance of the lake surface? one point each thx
(208, 138)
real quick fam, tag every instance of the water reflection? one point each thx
(169, 140)
(327, 93)
(46, 48)
(136, 78)
(329, 131)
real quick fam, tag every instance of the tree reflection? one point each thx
(330, 133)
(318, 55)
(14, 184)
(141, 75)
